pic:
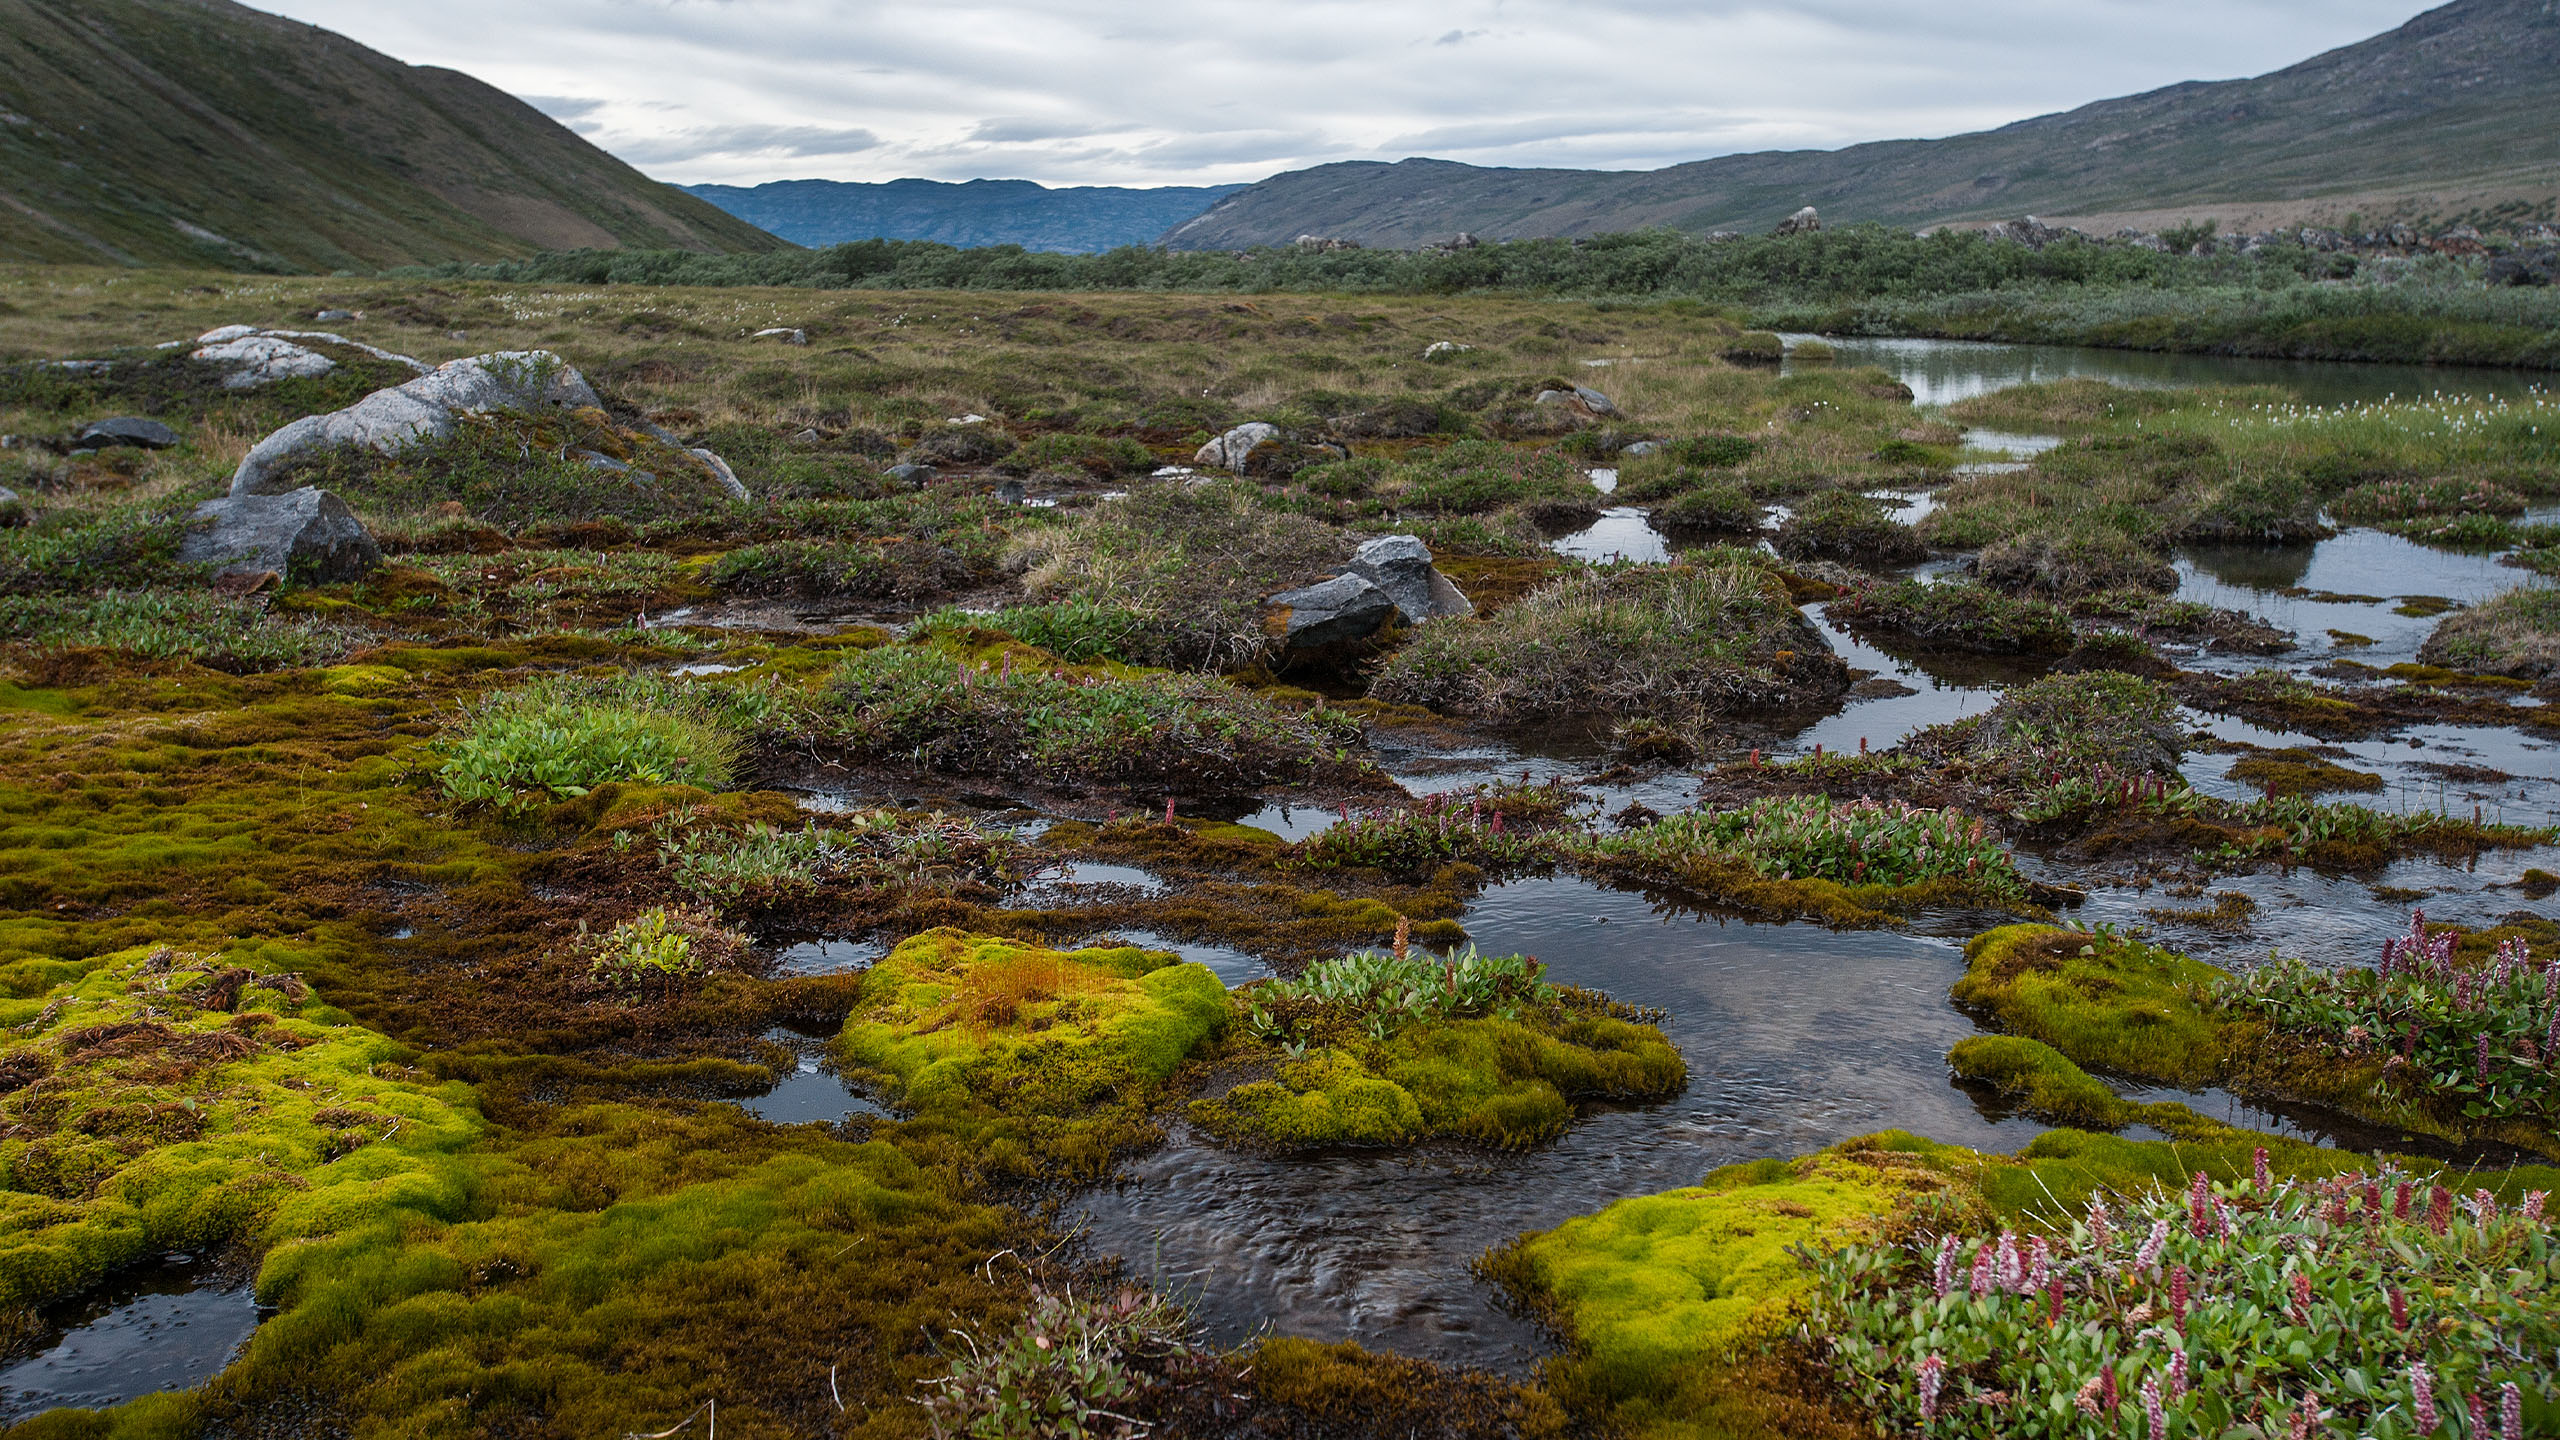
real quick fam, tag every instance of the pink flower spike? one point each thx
(2177, 1374)
(2422, 1398)
(2510, 1412)
(1933, 1377)
(1946, 1275)
(2258, 1168)
(2151, 1408)
(2149, 1255)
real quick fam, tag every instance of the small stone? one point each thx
(784, 334)
(1231, 450)
(255, 360)
(125, 430)
(1641, 449)
(1444, 347)
(325, 316)
(1346, 607)
(1594, 401)
(304, 535)
(601, 461)
(1010, 492)
(911, 474)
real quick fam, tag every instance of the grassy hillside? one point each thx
(1075, 218)
(202, 132)
(2450, 100)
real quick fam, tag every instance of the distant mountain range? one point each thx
(201, 132)
(1083, 218)
(2460, 102)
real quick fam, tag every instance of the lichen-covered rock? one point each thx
(258, 357)
(1401, 566)
(1231, 450)
(307, 534)
(392, 420)
(1803, 222)
(1346, 607)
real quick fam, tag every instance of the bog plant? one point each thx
(1060, 1369)
(1856, 842)
(2482, 1036)
(1381, 993)
(2374, 1304)
(561, 737)
(1496, 827)
(658, 945)
(873, 847)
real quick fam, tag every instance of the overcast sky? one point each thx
(1120, 92)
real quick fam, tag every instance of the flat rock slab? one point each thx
(303, 535)
(131, 430)
(390, 421)
(1401, 566)
(1231, 450)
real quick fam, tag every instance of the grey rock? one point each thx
(1803, 222)
(125, 430)
(911, 474)
(1010, 493)
(326, 316)
(1641, 449)
(390, 421)
(255, 360)
(597, 459)
(1232, 449)
(721, 472)
(784, 334)
(305, 534)
(1594, 401)
(1401, 566)
(1346, 607)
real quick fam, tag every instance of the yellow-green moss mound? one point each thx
(160, 1100)
(1668, 1301)
(1025, 1048)
(1385, 1049)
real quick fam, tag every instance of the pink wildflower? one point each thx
(2422, 1397)
(2510, 1412)
(1981, 1272)
(2178, 1298)
(2533, 1201)
(1946, 1276)
(2301, 1297)
(2149, 1254)
(2152, 1410)
(2258, 1167)
(1933, 1377)
(2099, 1231)
(2177, 1374)
(2199, 1211)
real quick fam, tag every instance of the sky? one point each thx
(1204, 92)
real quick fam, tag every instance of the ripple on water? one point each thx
(1795, 1037)
(170, 1325)
(809, 1093)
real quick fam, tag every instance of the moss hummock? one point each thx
(1019, 1050)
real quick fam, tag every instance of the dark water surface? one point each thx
(1942, 372)
(169, 1325)
(1795, 1037)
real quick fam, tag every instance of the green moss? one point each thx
(1493, 1080)
(2100, 1000)
(1026, 1049)
(1664, 1299)
(2301, 772)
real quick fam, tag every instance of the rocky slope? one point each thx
(2450, 100)
(203, 132)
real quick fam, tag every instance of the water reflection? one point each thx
(169, 1325)
(1942, 372)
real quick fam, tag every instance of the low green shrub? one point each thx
(1670, 641)
(2369, 1304)
(216, 631)
(660, 946)
(2484, 1037)
(1710, 510)
(1964, 616)
(1475, 476)
(563, 736)
(2390, 500)
(1857, 842)
(874, 847)
(1104, 459)
(1844, 525)
(70, 551)
(1075, 630)
(1497, 827)
(1062, 1368)
(2516, 633)
(1027, 716)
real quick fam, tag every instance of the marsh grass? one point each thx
(1714, 634)
(2516, 633)
(217, 631)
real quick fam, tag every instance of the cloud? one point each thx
(1119, 91)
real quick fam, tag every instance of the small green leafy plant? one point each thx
(561, 737)
(2363, 1305)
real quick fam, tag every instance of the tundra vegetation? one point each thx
(416, 942)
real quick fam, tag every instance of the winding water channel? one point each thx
(1796, 1036)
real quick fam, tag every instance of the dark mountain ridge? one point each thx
(2459, 98)
(202, 132)
(1081, 218)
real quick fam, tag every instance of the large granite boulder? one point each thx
(303, 535)
(1803, 222)
(392, 420)
(1400, 566)
(1346, 607)
(1231, 450)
